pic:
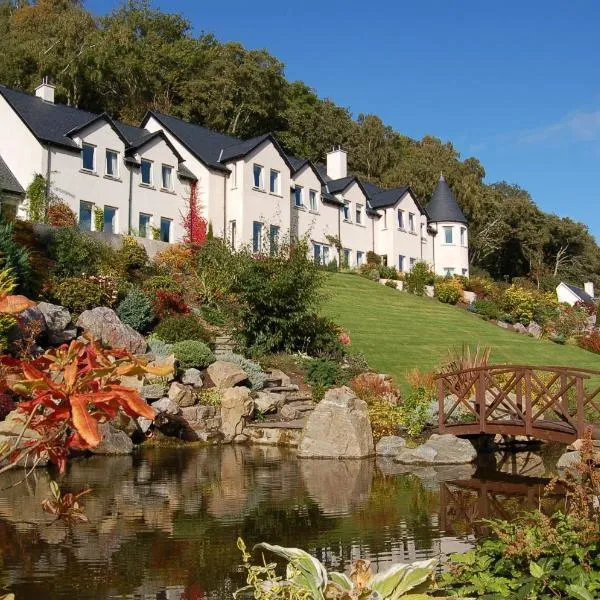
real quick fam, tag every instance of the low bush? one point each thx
(61, 215)
(373, 274)
(420, 276)
(486, 308)
(322, 374)
(75, 253)
(176, 259)
(132, 255)
(481, 286)
(587, 306)
(372, 387)
(448, 291)
(17, 258)
(257, 378)
(373, 259)
(590, 342)
(570, 322)
(167, 304)
(159, 347)
(83, 293)
(163, 283)
(386, 272)
(136, 311)
(391, 283)
(193, 354)
(416, 411)
(7, 322)
(385, 418)
(178, 328)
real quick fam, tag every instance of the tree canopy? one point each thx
(139, 57)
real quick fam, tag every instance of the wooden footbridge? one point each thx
(547, 403)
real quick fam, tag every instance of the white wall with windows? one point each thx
(356, 229)
(450, 249)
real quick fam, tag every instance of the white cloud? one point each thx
(575, 127)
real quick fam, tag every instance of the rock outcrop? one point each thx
(226, 374)
(104, 324)
(59, 328)
(236, 407)
(444, 449)
(113, 442)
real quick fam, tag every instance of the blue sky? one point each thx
(516, 84)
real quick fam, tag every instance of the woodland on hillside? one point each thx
(139, 57)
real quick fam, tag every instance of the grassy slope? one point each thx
(397, 331)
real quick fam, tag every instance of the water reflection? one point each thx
(163, 523)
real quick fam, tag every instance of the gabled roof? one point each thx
(101, 117)
(244, 148)
(147, 137)
(8, 182)
(443, 205)
(580, 293)
(185, 173)
(298, 164)
(204, 144)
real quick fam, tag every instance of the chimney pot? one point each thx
(588, 286)
(45, 91)
(337, 163)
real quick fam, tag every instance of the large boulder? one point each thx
(535, 330)
(182, 395)
(265, 402)
(59, 328)
(226, 374)
(192, 377)
(236, 407)
(390, 445)
(444, 449)
(104, 324)
(339, 427)
(113, 441)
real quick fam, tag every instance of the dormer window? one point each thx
(146, 170)
(258, 177)
(112, 163)
(346, 210)
(167, 177)
(88, 157)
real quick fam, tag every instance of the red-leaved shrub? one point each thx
(169, 303)
(591, 341)
(6, 405)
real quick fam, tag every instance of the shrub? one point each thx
(486, 308)
(257, 378)
(323, 372)
(7, 405)
(570, 322)
(416, 411)
(175, 259)
(61, 215)
(178, 328)
(168, 304)
(391, 284)
(449, 291)
(136, 311)
(15, 257)
(587, 306)
(373, 259)
(320, 337)
(481, 286)
(163, 283)
(591, 341)
(7, 322)
(132, 255)
(193, 354)
(355, 364)
(159, 347)
(83, 293)
(519, 303)
(385, 418)
(373, 274)
(75, 253)
(386, 272)
(418, 278)
(371, 387)
(332, 266)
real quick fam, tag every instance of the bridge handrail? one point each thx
(586, 373)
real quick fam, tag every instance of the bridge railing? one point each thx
(544, 402)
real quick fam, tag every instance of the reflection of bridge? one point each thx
(547, 403)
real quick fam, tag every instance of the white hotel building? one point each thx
(249, 190)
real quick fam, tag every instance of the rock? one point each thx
(241, 438)
(181, 394)
(266, 403)
(236, 407)
(30, 321)
(338, 428)
(298, 397)
(164, 405)
(520, 328)
(277, 377)
(444, 449)
(59, 328)
(113, 441)
(162, 361)
(132, 381)
(502, 324)
(289, 413)
(535, 330)
(390, 445)
(153, 391)
(11, 428)
(192, 377)
(198, 413)
(226, 374)
(104, 324)
(144, 423)
(469, 297)
(568, 460)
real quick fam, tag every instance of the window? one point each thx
(85, 215)
(347, 257)
(401, 263)
(321, 254)
(146, 170)
(165, 229)
(273, 239)
(411, 222)
(167, 177)
(144, 225)
(360, 258)
(412, 263)
(449, 271)
(274, 182)
(312, 199)
(256, 236)
(448, 235)
(359, 213)
(233, 176)
(233, 227)
(88, 156)
(325, 255)
(384, 224)
(110, 219)
(463, 236)
(346, 211)
(298, 196)
(384, 260)
(400, 219)
(112, 163)
(258, 177)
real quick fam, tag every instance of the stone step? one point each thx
(282, 388)
(303, 406)
(298, 397)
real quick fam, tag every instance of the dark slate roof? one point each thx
(242, 148)
(148, 136)
(203, 143)
(330, 198)
(185, 173)
(581, 293)
(387, 197)
(335, 186)
(8, 182)
(297, 163)
(443, 205)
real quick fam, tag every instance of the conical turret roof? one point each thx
(443, 205)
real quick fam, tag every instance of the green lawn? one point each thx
(397, 331)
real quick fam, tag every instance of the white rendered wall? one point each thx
(354, 236)
(564, 294)
(455, 255)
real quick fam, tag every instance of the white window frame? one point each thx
(401, 263)
(233, 233)
(412, 262)
(463, 236)
(384, 223)
(401, 224)
(170, 169)
(151, 163)
(274, 234)
(312, 200)
(261, 177)
(347, 208)
(149, 226)
(298, 196)
(411, 222)
(448, 271)
(115, 223)
(90, 206)
(360, 258)
(116, 174)
(448, 229)
(277, 190)
(359, 214)
(234, 176)
(170, 222)
(94, 158)
(257, 243)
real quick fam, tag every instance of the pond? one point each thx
(163, 523)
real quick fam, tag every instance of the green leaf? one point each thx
(578, 592)
(536, 571)
(400, 579)
(342, 580)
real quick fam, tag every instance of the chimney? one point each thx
(589, 288)
(337, 163)
(45, 91)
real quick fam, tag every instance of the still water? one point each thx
(163, 523)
